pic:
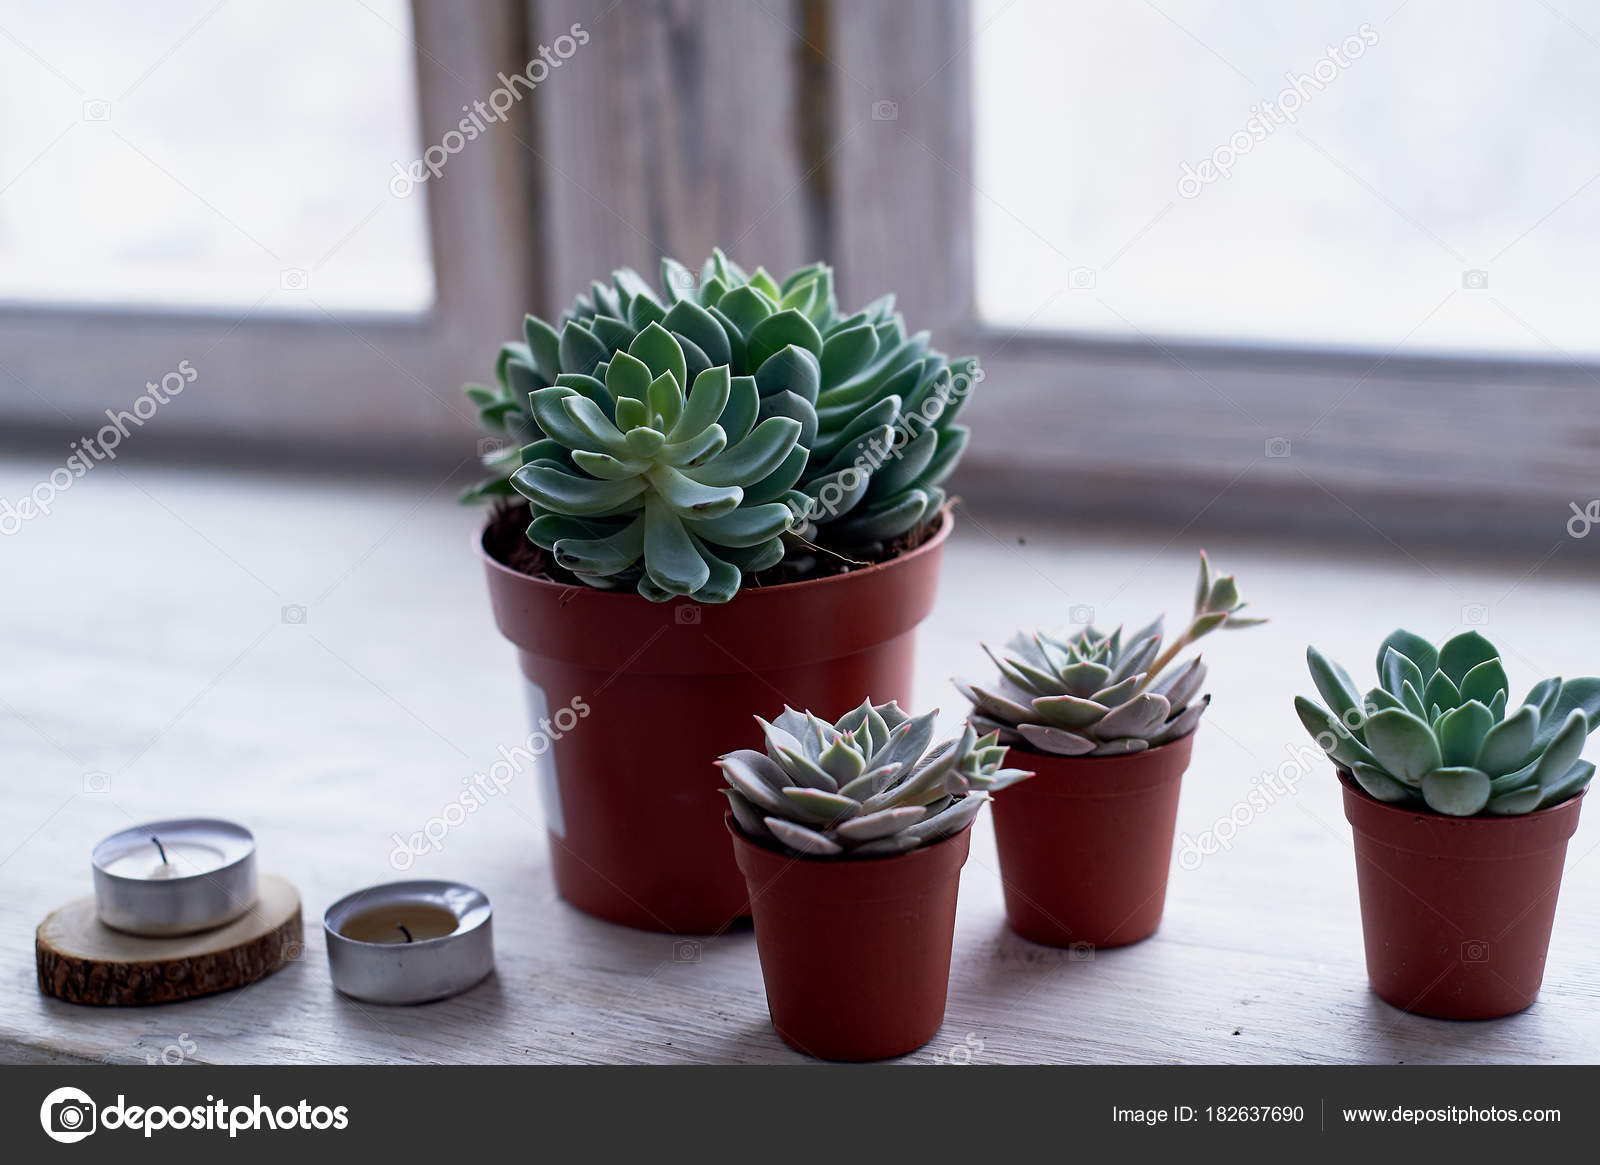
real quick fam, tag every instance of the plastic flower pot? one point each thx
(632, 806)
(855, 953)
(1456, 911)
(1086, 844)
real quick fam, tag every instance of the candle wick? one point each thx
(160, 850)
(405, 932)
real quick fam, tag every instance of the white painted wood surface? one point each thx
(150, 672)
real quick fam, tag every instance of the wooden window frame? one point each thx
(786, 130)
(324, 381)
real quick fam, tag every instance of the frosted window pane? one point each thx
(1439, 192)
(209, 155)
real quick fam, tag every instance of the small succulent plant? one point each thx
(864, 787)
(1435, 731)
(1097, 694)
(876, 407)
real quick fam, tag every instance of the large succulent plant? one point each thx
(1435, 731)
(876, 407)
(646, 480)
(864, 787)
(1097, 694)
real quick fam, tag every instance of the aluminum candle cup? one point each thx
(175, 877)
(409, 942)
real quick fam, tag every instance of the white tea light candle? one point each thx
(172, 859)
(175, 877)
(409, 942)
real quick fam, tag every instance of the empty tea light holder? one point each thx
(397, 962)
(175, 877)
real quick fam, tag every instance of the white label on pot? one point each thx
(543, 750)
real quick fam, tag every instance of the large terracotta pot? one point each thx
(1085, 845)
(855, 954)
(631, 799)
(1456, 911)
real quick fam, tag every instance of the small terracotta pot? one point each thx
(855, 954)
(631, 803)
(1456, 911)
(1085, 845)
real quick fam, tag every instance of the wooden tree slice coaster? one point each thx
(82, 960)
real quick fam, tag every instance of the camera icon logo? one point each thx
(489, 446)
(681, 279)
(1081, 278)
(885, 111)
(1080, 613)
(1081, 953)
(963, 1053)
(97, 782)
(1475, 951)
(687, 615)
(1475, 280)
(96, 109)
(294, 613)
(1278, 447)
(293, 279)
(1475, 615)
(67, 1115)
(686, 951)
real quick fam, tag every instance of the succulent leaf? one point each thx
(1456, 792)
(1333, 735)
(1414, 647)
(1461, 654)
(1461, 732)
(1379, 783)
(1564, 748)
(756, 778)
(1509, 743)
(1334, 684)
(1056, 741)
(1396, 672)
(1565, 698)
(1441, 693)
(1576, 780)
(1404, 745)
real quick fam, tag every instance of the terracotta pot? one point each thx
(855, 954)
(1085, 845)
(659, 690)
(1456, 911)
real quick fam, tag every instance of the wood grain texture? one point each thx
(901, 91)
(1339, 442)
(674, 130)
(151, 673)
(81, 960)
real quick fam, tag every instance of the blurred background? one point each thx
(1329, 264)
(1308, 285)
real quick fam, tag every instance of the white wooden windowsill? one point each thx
(145, 640)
